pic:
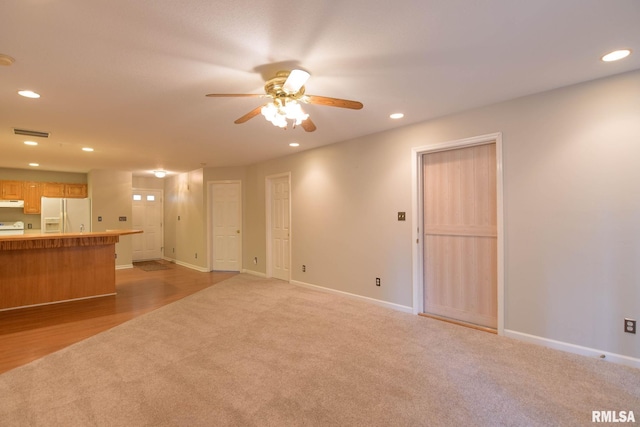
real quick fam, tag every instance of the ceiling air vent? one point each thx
(31, 133)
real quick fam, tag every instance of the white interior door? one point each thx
(226, 209)
(147, 216)
(280, 230)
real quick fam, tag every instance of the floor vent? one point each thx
(31, 133)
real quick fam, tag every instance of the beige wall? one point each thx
(110, 193)
(151, 183)
(42, 176)
(571, 183)
(184, 216)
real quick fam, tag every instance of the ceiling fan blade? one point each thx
(333, 102)
(295, 80)
(251, 114)
(227, 95)
(308, 125)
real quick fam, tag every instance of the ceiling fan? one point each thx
(287, 92)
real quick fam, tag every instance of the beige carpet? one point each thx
(258, 352)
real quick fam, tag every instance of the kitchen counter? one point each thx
(46, 240)
(48, 268)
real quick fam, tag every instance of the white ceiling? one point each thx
(129, 77)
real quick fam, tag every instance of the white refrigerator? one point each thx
(65, 215)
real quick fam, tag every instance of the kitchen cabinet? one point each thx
(75, 190)
(11, 190)
(53, 189)
(32, 192)
(59, 189)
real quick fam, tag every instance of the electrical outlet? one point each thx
(255, 259)
(402, 216)
(304, 268)
(196, 255)
(377, 281)
(630, 326)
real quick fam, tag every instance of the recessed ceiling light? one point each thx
(34, 164)
(160, 174)
(28, 94)
(30, 143)
(616, 55)
(396, 116)
(89, 149)
(294, 144)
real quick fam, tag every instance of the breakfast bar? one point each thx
(38, 269)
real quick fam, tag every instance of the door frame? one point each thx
(210, 185)
(268, 200)
(418, 215)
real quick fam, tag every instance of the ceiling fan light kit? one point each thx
(287, 91)
(280, 111)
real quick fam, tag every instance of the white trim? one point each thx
(210, 254)
(124, 266)
(416, 206)
(573, 348)
(267, 185)
(184, 264)
(254, 273)
(397, 307)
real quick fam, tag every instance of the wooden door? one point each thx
(11, 190)
(226, 203)
(147, 216)
(460, 234)
(78, 191)
(32, 193)
(53, 189)
(280, 229)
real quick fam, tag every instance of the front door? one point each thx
(460, 234)
(147, 216)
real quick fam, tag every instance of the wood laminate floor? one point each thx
(30, 333)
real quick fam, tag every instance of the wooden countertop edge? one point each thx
(57, 236)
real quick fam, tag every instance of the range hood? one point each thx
(11, 203)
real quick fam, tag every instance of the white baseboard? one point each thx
(393, 306)
(191, 266)
(124, 266)
(254, 273)
(572, 348)
(185, 264)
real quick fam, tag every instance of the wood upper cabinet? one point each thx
(11, 190)
(59, 189)
(75, 190)
(32, 192)
(53, 189)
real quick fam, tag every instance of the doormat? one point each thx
(151, 265)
